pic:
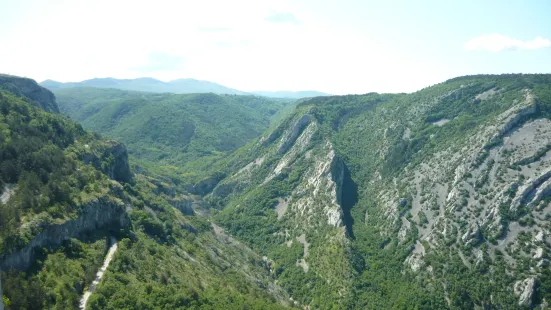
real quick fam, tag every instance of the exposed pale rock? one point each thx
(415, 261)
(452, 195)
(8, 191)
(542, 263)
(542, 186)
(479, 256)
(303, 264)
(539, 236)
(334, 217)
(404, 230)
(255, 163)
(281, 207)
(294, 151)
(95, 214)
(538, 254)
(525, 291)
(515, 115)
(487, 94)
(293, 133)
(544, 304)
(472, 236)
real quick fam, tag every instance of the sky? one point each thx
(338, 47)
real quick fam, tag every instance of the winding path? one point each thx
(100, 273)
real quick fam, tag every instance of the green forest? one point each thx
(324, 203)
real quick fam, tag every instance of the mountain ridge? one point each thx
(177, 86)
(436, 199)
(451, 201)
(173, 129)
(147, 84)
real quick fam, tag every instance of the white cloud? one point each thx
(498, 43)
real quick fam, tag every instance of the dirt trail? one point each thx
(99, 275)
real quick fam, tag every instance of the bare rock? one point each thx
(115, 155)
(473, 235)
(525, 290)
(294, 132)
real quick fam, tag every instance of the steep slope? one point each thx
(29, 90)
(49, 192)
(288, 204)
(172, 130)
(180, 86)
(436, 199)
(65, 193)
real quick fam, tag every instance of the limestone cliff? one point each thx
(29, 89)
(98, 214)
(110, 157)
(455, 178)
(310, 213)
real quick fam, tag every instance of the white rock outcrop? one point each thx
(525, 290)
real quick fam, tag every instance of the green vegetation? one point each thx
(57, 278)
(28, 90)
(40, 156)
(180, 86)
(54, 171)
(363, 148)
(174, 135)
(369, 134)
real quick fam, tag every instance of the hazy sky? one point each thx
(332, 46)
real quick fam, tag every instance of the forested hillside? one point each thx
(65, 192)
(436, 199)
(180, 86)
(30, 91)
(176, 135)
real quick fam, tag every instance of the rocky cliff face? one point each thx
(111, 157)
(310, 214)
(477, 192)
(203, 187)
(27, 88)
(97, 214)
(455, 175)
(184, 204)
(479, 198)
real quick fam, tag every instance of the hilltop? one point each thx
(179, 86)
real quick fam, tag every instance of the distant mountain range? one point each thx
(180, 86)
(291, 94)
